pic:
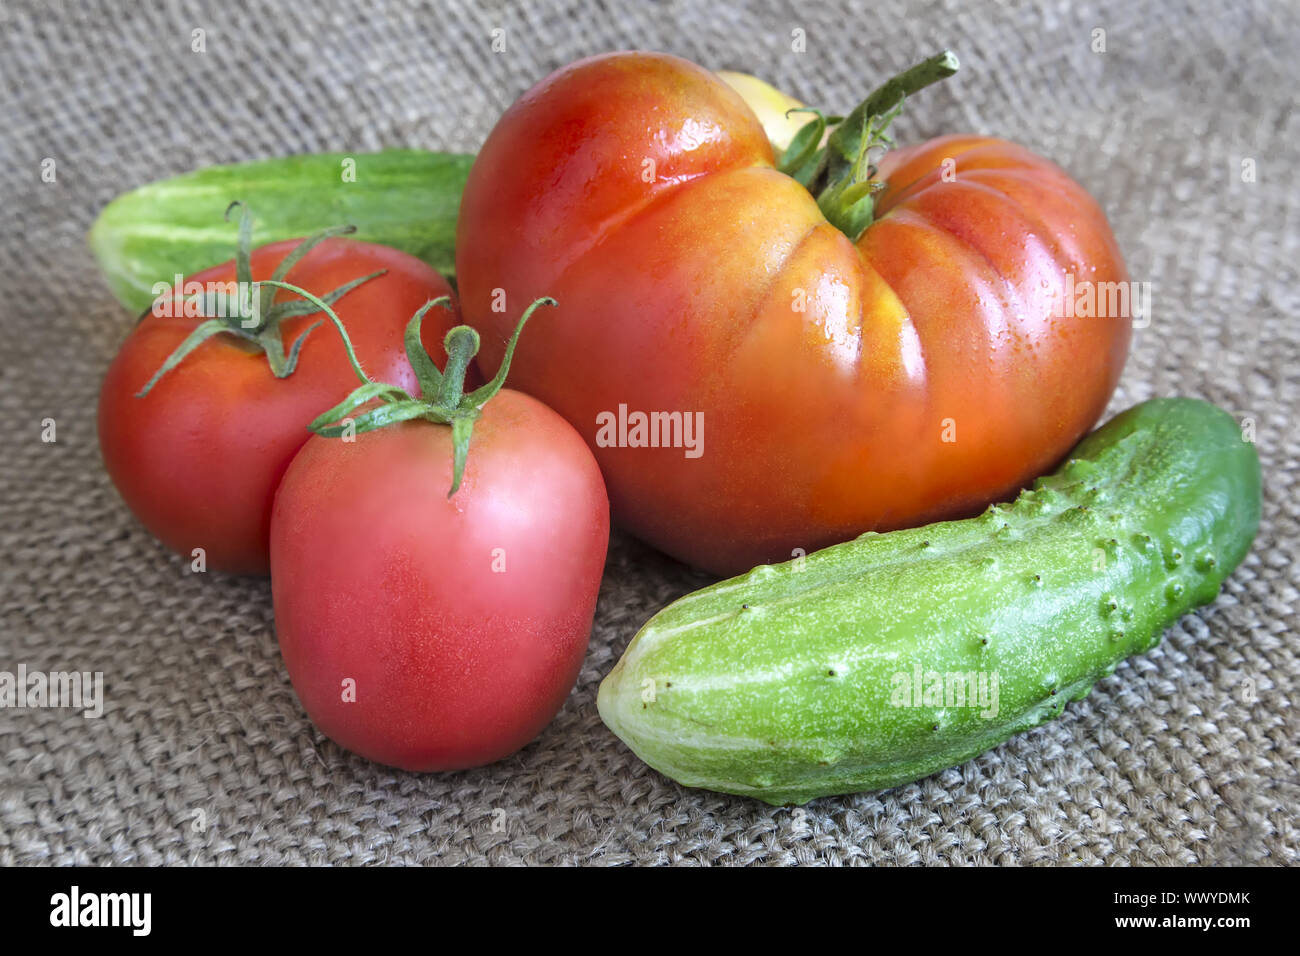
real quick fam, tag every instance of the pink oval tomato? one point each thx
(430, 632)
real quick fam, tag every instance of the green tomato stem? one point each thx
(461, 344)
(257, 317)
(844, 182)
(442, 401)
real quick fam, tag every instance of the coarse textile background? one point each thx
(1179, 118)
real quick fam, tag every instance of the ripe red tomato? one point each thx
(913, 375)
(430, 632)
(198, 458)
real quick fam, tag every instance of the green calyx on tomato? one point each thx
(253, 314)
(842, 174)
(443, 399)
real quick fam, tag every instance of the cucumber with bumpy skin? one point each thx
(404, 198)
(885, 659)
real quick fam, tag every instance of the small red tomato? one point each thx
(435, 632)
(198, 458)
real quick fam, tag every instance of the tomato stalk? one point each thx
(842, 175)
(254, 315)
(443, 399)
(802, 159)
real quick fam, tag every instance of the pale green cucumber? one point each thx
(874, 663)
(404, 198)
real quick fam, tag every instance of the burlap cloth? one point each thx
(1186, 755)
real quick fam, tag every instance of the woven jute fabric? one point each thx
(1178, 117)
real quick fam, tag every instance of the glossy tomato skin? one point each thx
(462, 622)
(916, 375)
(199, 457)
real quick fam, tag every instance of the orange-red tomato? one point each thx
(914, 375)
(198, 458)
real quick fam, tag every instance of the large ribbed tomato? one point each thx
(915, 374)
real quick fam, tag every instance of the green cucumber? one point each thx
(405, 198)
(885, 659)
